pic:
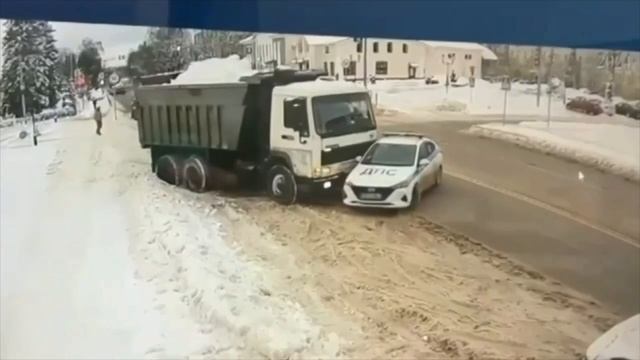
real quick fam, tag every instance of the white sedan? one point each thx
(394, 172)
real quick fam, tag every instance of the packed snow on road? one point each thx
(102, 259)
(613, 148)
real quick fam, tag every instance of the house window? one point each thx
(332, 68)
(381, 68)
(375, 47)
(405, 48)
(359, 46)
(389, 47)
(326, 49)
(467, 56)
(326, 68)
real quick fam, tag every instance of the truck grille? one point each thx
(371, 193)
(344, 153)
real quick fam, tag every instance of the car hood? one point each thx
(622, 340)
(379, 176)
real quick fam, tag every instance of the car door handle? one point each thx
(287, 137)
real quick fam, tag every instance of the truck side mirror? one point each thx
(358, 158)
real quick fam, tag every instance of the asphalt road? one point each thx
(532, 206)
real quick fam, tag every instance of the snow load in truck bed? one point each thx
(215, 70)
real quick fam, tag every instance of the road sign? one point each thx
(346, 63)
(472, 81)
(114, 79)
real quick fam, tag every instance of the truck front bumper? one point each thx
(329, 184)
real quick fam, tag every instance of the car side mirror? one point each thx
(423, 162)
(358, 158)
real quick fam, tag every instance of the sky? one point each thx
(115, 38)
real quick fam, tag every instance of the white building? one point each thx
(386, 59)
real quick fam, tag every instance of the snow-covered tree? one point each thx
(48, 43)
(26, 67)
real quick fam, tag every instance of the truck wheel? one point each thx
(169, 169)
(196, 174)
(281, 185)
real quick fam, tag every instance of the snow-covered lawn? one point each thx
(609, 147)
(99, 259)
(415, 97)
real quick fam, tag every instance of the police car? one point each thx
(394, 172)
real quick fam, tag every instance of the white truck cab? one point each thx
(320, 127)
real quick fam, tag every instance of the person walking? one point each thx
(97, 116)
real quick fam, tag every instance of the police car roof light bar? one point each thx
(410, 134)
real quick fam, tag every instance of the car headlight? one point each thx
(402, 184)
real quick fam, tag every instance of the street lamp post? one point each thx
(448, 61)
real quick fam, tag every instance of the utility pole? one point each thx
(538, 63)
(447, 61)
(364, 50)
(22, 88)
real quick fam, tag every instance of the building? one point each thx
(385, 58)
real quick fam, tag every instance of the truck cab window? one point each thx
(295, 115)
(336, 115)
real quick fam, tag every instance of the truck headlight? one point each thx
(322, 171)
(402, 184)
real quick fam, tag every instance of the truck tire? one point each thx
(196, 174)
(169, 168)
(281, 185)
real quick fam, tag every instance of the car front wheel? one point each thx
(415, 198)
(439, 176)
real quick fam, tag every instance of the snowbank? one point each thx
(103, 101)
(611, 148)
(215, 70)
(185, 252)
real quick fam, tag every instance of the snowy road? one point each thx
(534, 207)
(101, 260)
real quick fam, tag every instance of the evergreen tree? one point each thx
(51, 55)
(25, 70)
(89, 60)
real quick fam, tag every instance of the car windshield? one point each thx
(342, 114)
(390, 155)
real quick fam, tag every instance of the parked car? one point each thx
(431, 81)
(394, 172)
(620, 342)
(631, 110)
(584, 105)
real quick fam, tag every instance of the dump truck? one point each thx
(287, 132)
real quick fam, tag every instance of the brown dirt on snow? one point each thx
(412, 288)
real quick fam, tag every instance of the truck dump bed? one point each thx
(203, 116)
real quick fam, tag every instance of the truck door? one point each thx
(293, 138)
